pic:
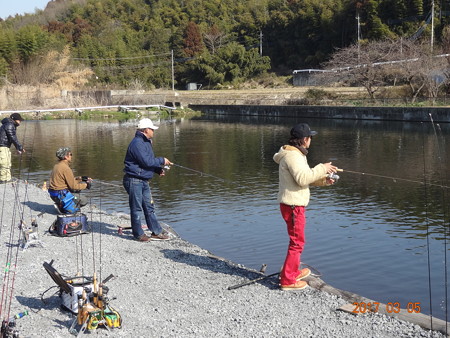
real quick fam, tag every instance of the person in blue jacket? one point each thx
(140, 165)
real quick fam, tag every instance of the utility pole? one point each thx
(358, 31)
(260, 42)
(173, 72)
(432, 25)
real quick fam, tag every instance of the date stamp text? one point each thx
(391, 307)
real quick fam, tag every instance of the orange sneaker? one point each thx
(299, 285)
(303, 274)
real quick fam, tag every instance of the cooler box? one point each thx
(71, 225)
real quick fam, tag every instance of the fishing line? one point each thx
(8, 280)
(92, 237)
(314, 271)
(440, 171)
(22, 213)
(110, 184)
(101, 232)
(79, 242)
(8, 265)
(26, 197)
(100, 225)
(392, 178)
(201, 173)
(427, 225)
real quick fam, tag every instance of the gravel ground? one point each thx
(161, 288)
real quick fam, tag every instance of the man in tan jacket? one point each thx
(64, 187)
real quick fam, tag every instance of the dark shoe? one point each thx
(143, 238)
(163, 236)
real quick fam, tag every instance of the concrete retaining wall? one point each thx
(414, 114)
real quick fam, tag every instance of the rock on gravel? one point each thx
(160, 288)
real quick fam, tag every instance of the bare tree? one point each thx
(409, 58)
(381, 63)
(214, 39)
(366, 65)
(423, 70)
(435, 73)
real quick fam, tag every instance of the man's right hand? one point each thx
(87, 180)
(167, 162)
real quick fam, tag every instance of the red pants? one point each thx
(295, 221)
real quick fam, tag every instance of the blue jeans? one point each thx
(140, 200)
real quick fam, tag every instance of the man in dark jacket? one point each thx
(140, 165)
(8, 137)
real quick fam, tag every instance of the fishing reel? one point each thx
(333, 177)
(87, 180)
(8, 329)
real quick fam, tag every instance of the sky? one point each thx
(13, 7)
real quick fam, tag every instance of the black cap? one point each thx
(302, 130)
(16, 117)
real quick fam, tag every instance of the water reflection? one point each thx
(367, 234)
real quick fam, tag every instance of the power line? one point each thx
(137, 66)
(118, 58)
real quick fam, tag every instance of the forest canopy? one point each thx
(151, 43)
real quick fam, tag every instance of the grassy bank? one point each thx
(108, 114)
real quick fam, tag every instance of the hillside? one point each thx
(149, 44)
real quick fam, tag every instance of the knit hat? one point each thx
(62, 152)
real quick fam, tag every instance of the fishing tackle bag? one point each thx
(69, 225)
(65, 201)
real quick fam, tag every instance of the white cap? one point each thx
(146, 123)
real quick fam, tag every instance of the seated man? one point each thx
(64, 188)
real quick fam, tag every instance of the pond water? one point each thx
(373, 233)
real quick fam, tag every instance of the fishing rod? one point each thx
(425, 190)
(252, 281)
(314, 273)
(392, 178)
(11, 263)
(441, 173)
(198, 172)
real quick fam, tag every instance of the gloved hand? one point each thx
(88, 181)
